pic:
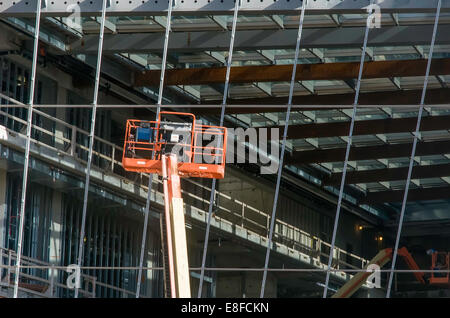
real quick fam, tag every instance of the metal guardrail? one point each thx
(233, 210)
(47, 279)
(39, 285)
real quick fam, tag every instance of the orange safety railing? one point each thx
(440, 261)
(201, 149)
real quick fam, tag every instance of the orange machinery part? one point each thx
(167, 199)
(411, 264)
(381, 262)
(173, 179)
(444, 280)
(185, 169)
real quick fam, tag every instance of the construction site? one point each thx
(225, 149)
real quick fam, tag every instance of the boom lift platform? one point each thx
(147, 141)
(174, 146)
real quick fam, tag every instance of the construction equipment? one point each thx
(175, 146)
(383, 257)
(147, 141)
(440, 261)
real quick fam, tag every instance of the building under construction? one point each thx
(326, 124)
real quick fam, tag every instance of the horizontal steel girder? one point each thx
(375, 99)
(419, 194)
(215, 7)
(389, 174)
(281, 73)
(367, 127)
(368, 152)
(199, 41)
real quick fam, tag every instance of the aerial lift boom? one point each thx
(383, 257)
(173, 146)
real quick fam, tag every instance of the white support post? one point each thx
(27, 149)
(172, 3)
(3, 181)
(91, 137)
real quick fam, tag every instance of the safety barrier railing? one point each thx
(43, 279)
(39, 278)
(235, 211)
(257, 221)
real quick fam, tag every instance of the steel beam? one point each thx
(389, 174)
(215, 7)
(388, 98)
(252, 40)
(305, 72)
(368, 153)
(419, 194)
(367, 127)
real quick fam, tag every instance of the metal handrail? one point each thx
(10, 255)
(313, 245)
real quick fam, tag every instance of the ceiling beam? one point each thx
(367, 127)
(190, 40)
(419, 194)
(389, 174)
(283, 73)
(368, 152)
(403, 97)
(139, 8)
(437, 227)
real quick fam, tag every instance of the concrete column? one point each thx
(3, 187)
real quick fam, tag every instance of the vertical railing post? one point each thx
(9, 267)
(318, 248)
(94, 286)
(52, 281)
(73, 142)
(113, 155)
(338, 256)
(242, 213)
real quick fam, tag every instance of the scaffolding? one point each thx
(313, 246)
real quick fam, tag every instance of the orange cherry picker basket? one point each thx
(200, 149)
(440, 261)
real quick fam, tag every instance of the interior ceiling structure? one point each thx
(325, 83)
